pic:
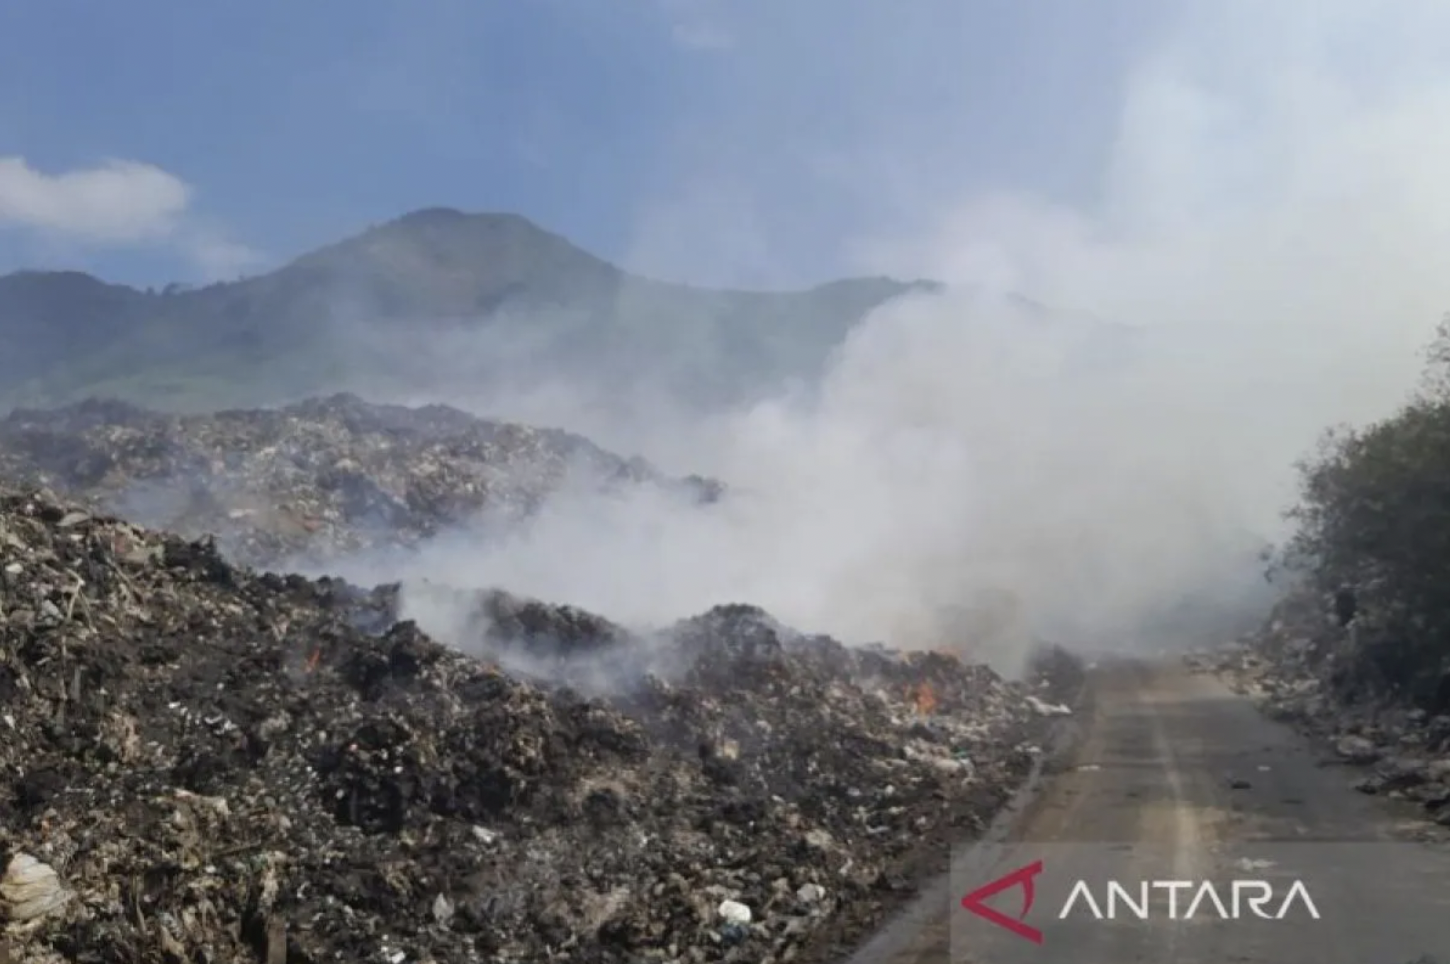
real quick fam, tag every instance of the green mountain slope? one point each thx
(433, 299)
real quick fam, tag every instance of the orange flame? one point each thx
(923, 697)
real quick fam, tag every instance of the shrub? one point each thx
(1374, 514)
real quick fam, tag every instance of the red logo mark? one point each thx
(976, 901)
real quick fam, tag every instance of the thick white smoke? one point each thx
(1274, 224)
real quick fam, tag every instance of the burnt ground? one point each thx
(203, 762)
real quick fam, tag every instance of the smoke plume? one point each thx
(1263, 259)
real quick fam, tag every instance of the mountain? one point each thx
(434, 300)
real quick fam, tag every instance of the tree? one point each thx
(1374, 514)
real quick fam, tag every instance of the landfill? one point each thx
(315, 481)
(203, 760)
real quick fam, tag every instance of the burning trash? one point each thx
(923, 699)
(211, 762)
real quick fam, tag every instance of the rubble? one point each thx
(314, 481)
(1305, 667)
(203, 762)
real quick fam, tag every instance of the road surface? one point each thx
(1172, 777)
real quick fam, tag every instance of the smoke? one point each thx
(1264, 258)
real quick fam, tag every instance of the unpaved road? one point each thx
(1173, 777)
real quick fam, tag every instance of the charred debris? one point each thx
(314, 481)
(204, 761)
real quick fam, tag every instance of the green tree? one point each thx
(1374, 514)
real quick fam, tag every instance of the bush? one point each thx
(1374, 514)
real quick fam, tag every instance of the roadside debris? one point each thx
(1298, 668)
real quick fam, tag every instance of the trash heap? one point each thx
(1306, 669)
(314, 481)
(200, 762)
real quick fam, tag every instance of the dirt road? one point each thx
(1172, 777)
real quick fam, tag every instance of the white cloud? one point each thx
(117, 203)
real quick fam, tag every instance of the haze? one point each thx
(1272, 221)
(1249, 249)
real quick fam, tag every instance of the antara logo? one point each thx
(1177, 900)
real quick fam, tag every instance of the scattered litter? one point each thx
(30, 890)
(734, 912)
(1301, 668)
(1047, 709)
(811, 893)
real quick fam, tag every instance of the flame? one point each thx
(923, 697)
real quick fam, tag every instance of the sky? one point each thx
(749, 142)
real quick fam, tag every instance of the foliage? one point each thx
(1374, 515)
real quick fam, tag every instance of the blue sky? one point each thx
(724, 141)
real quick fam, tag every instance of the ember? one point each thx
(923, 697)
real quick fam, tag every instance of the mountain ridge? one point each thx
(338, 318)
(438, 304)
(432, 218)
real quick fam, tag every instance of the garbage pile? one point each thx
(201, 762)
(1306, 667)
(314, 481)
